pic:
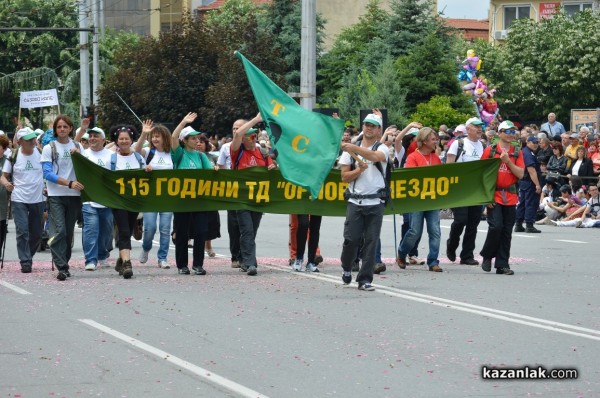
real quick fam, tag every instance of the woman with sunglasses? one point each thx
(185, 157)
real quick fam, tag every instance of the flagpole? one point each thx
(308, 54)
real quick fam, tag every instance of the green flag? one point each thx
(307, 143)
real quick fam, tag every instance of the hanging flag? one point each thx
(307, 143)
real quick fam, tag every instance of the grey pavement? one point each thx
(293, 334)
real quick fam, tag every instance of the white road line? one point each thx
(569, 241)
(540, 323)
(14, 288)
(205, 374)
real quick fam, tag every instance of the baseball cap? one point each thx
(187, 132)
(575, 136)
(373, 119)
(38, 131)
(506, 125)
(474, 121)
(461, 128)
(26, 134)
(532, 138)
(413, 131)
(96, 130)
(2, 132)
(251, 131)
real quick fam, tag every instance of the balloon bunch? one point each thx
(477, 88)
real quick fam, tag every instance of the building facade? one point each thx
(504, 12)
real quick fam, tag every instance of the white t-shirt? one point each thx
(160, 160)
(225, 156)
(129, 162)
(471, 150)
(102, 159)
(27, 176)
(370, 181)
(63, 167)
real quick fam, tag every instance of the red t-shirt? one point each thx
(249, 158)
(505, 177)
(417, 159)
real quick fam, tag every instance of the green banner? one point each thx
(413, 189)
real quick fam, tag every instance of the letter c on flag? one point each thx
(296, 142)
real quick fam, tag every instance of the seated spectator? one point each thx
(587, 216)
(581, 166)
(594, 156)
(563, 207)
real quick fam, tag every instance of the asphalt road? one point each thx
(290, 334)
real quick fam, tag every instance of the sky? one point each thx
(470, 9)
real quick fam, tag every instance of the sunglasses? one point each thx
(251, 137)
(510, 132)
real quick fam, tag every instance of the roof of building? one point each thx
(470, 28)
(219, 3)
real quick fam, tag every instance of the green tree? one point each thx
(547, 66)
(426, 72)
(438, 111)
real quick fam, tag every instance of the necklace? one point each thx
(424, 158)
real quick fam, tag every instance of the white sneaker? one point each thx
(163, 264)
(90, 267)
(310, 267)
(144, 256)
(297, 265)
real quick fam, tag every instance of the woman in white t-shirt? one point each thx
(125, 159)
(157, 157)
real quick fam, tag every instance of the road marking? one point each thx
(569, 241)
(205, 374)
(14, 288)
(513, 317)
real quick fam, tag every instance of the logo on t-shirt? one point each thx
(161, 161)
(504, 168)
(191, 165)
(100, 163)
(252, 162)
(28, 165)
(66, 154)
(127, 166)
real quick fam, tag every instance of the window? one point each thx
(572, 9)
(513, 13)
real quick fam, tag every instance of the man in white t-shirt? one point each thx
(27, 201)
(64, 201)
(465, 149)
(233, 229)
(97, 229)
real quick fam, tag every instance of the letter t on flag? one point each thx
(307, 143)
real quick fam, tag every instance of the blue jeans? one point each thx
(432, 217)
(164, 230)
(29, 223)
(97, 233)
(62, 215)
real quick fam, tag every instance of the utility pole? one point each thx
(96, 55)
(308, 54)
(84, 58)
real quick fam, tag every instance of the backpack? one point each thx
(150, 155)
(13, 155)
(385, 193)
(459, 151)
(113, 160)
(514, 188)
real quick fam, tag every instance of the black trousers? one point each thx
(233, 229)
(497, 243)
(198, 222)
(467, 219)
(308, 223)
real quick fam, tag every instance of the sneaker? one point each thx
(297, 265)
(543, 221)
(119, 266)
(211, 253)
(379, 268)
(310, 267)
(90, 267)
(347, 278)
(436, 268)
(356, 266)
(504, 271)
(451, 254)
(26, 269)
(550, 222)
(67, 273)
(243, 268)
(235, 264)
(519, 228)
(486, 264)
(199, 271)
(401, 261)
(532, 230)
(553, 223)
(318, 259)
(62, 276)
(183, 271)
(414, 260)
(163, 264)
(366, 286)
(144, 256)
(127, 270)
(252, 270)
(578, 224)
(104, 263)
(469, 261)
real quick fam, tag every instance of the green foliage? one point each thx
(426, 72)
(547, 66)
(438, 111)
